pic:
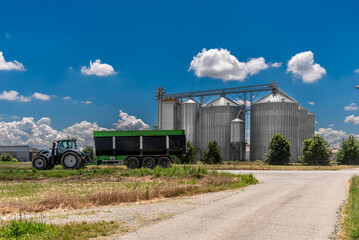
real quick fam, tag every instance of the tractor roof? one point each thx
(67, 139)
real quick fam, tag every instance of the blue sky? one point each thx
(152, 43)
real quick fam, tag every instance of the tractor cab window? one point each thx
(62, 146)
(71, 144)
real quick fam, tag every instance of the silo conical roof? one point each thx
(278, 96)
(237, 120)
(222, 101)
(190, 101)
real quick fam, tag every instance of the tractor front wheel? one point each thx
(71, 160)
(39, 163)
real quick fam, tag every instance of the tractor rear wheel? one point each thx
(71, 160)
(50, 166)
(39, 163)
(133, 163)
(164, 162)
(148, 162)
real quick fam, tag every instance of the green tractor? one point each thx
(63, 152)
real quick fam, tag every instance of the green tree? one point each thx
(6, 157)
(278, 150)
(349, 151)
(316, 151)
(191, 154)
(89, 152)
(213, 154)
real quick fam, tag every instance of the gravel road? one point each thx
(285, 205)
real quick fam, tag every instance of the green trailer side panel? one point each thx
(138, 133)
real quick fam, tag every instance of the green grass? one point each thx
(350, 223)
(260, 165)
(9, 162)
(28, 190)
(22, 229)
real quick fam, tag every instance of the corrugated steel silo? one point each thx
(215, 124)
(310, 125)
(275, 113)
(189, 120)
(237, 148)
(169, 114)
(303, 127)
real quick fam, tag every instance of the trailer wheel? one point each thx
(39, 163)
(70, 160)
(164, 162)
(148, 162)
(133, 163)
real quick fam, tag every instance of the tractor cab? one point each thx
(61, 145)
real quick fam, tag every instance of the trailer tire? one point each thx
(39, 163)
(148, 162)
(132, 163)
(71, 160)
(164, 162)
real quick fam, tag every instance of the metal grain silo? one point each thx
(215, 124)
(169, 118)
(303, 127)
(189, 120)
(275, 113)
(310, 125)
(237, 145)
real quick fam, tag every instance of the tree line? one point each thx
(315, 151)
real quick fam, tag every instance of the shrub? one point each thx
(89, 152)
(213, 155)
(6, 157)
(349, 151)
(278, 150)
(191, 154)
(316, 151)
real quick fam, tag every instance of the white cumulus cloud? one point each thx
(98, 69)
(41, 96)
(333, 137)
(302, 65)
(351, 107)
(276, 64)
(352, 119)
(13, 96)
(67, 98)
(9, 66)
(40, 133)
(127, 122)
(356, 70)
(86, 102)
(221, 64)
(311, 103)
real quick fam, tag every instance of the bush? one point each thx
(6, 157)
(316, 151)
(89, 152)
(191, 154)
(213, 155)
(278, 150)
(349, 151)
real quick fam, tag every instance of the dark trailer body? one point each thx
(142, 148)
